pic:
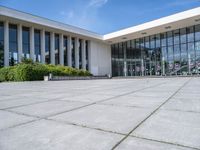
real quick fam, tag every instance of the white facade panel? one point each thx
(100, 58)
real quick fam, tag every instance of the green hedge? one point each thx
(29, 71)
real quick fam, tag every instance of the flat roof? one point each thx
(172, 22)
(12, 13)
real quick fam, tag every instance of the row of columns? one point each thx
(42, 43)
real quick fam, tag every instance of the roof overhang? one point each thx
(32, 19)
(176, 21)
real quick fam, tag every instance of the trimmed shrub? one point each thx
(24, 72)
(11, 74)
(4, 74)
(39, 71)
(29, 71)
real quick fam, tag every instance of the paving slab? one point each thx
(20, 102)
(9, 119)
(188, 96)
(49, 135)
(132, 143)
(111, 118)
(185, 104)
(152, 94)
(88, 97)
(176, 127)
(136, 101)
(47, 108)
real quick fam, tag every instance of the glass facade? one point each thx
(87, 55)
(25, 42)
(13, 50)
(65, 50)
(1, 44)
(37, 56)
(175, 52)
(57, 52)
(73, 52)
(80, 53)
(47, 48)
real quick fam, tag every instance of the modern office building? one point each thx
(167, 46)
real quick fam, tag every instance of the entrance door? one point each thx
(130, 69)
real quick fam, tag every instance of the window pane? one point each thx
(47, 48)
(190, 34)
(163, 37)
(183, 35)
(169, 38)
(26, 42)
(65, 51)
(37, 56)
(57, 59)
(1, 44)
(176, 37)
(197, 33)
(157, 40)
(13, 50)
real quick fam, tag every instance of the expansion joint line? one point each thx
(116, 145)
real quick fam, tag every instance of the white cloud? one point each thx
(84, 15)
(97, 3)
(69, 14)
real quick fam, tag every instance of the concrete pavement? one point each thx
(122, 114)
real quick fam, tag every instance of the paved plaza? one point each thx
(121, 114)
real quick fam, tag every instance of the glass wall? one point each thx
(47, 48)
(25, 42)
(37, 55)
(65, 50)
(175, 52)
(57, 52)
(80, 53)
(73, 52)
(87, 55)
(1, 44)
(13, 50)
(57, 49)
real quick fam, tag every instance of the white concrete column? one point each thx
(42, 40)
(61, 49)
(69, 50)
(142, 66)
(189, 64)
(77, 53)
(83, 54)
(32, 44)
(19, 38)
(6, 43)
(89, 56)
(163, 66)
(52, 48)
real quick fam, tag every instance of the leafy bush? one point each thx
(30, 71)
(4, 74)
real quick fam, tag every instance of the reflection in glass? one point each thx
(13, 50)
(1, 44)
(47, 48)
(73, 52)
(80, 53)
(65, 50)
(172, 53)
(37, 55)
(25, 42)
(57, 53)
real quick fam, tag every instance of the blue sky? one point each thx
(102, 16)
